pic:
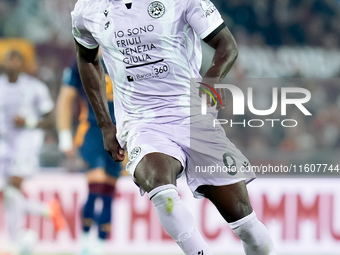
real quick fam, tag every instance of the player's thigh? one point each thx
(156, 169)
(154, 158)
(100, 167)
(99, 175)
(232, 201)
(112, 169)
(214, 160)
(218, 171)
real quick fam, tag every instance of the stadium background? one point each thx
(278, 39)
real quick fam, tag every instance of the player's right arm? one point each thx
(66, 98)
(93, 78)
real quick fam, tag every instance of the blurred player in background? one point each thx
(151, 50)
(102, 170)
(25, 109)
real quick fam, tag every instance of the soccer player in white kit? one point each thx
(151, 50)
(25, 108)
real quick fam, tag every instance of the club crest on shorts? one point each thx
(134, 153)
(156, 9)
(230, 163)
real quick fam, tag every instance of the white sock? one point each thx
(29, 206)
(254, 235)
(177, 220)
(86, 243)
(27, 241)
(16, 206)
(98, 247)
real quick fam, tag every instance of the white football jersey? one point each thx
(151, 50)
(28, 98)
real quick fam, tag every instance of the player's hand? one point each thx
(19, 122)
(214, 96)
(111, 144)
(70, 154)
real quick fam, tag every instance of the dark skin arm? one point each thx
(93, 78)
(225, 55)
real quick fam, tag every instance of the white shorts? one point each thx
(21, 157)
(206, 154)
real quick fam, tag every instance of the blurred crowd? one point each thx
(41, 21)
(284, 22)
(261, 23)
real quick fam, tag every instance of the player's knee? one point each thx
(150, 183)
(240, 210)
(231, 200)
(16, 181)
(153, 172)
(96, 175)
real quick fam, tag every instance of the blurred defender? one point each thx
(25, 108)
(152, 49)
(102, 170)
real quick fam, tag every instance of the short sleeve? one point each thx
(79, 30)
(204, 18)
(45, 102)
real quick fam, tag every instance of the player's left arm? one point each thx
(46, 121)
(224, 58)
(207, 22)
(225, 54)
